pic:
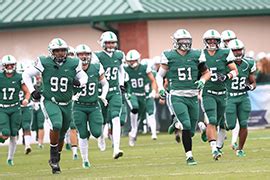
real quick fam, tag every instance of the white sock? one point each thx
(189, 154)
(221, 137)
(235, 133)
(67, 137)
(152, 123)
(213, 145)
(202, 126)
(74, 150)
(27, 140)
(116, 133)
(83, 144)
(134, 124)
(12, 147)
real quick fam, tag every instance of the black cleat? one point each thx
(55, 167)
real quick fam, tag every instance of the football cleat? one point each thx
(216, 155)
(220, 151)
(55, 167)
(101, 143)
(132, 141)
(175, 125)
(118, 154)
(154, 137)
(234, 146)
(240, 153)
(10, 162)
(191, 161)
(40, 146)
(86, 165)
(27, 150)
(75, 157)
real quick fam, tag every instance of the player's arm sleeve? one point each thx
(81, 75)
(253, 68)
(162, 72)
(121, 75)
(31, 72)
(148, 69)
(160, 76)
(105, 86)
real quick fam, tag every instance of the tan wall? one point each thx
(27, 44)
(253, 31)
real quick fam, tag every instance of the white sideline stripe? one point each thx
(155, 175)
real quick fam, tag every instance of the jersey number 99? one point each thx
(59, 84)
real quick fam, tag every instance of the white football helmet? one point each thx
(84, 53)
(108, 36)
(133, 58)
(71, 52)
(182, 40)
(211, 40)
(235, 45)
(57, 43)
(227, 36)
(20, 67)
(9, 60)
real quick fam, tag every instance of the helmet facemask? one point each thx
(182, 44)
(59, 55)
(9, 68)
(133, 63)
(110, 46)
(238, 53)
(212, 44)
(85, 57)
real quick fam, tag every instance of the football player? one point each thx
(181, 65)
(138, 75)
(238, 104)
(10, 110)
(60, 75)
(112, 61)
(87, 110)
(214, 93)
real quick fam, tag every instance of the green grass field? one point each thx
(161, 159)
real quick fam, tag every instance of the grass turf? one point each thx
(160, 159)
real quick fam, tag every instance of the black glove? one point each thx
(123, 89)
(222, 77)
(36, 95)
(248, 87)
(76, 83)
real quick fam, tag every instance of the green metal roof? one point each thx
(29, 13)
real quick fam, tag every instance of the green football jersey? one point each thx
(217, 64)
(10, 88)
(183, 70)
(58, 80)
(245, 68)
(89, 93)
(137, 78)
(111, 66)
